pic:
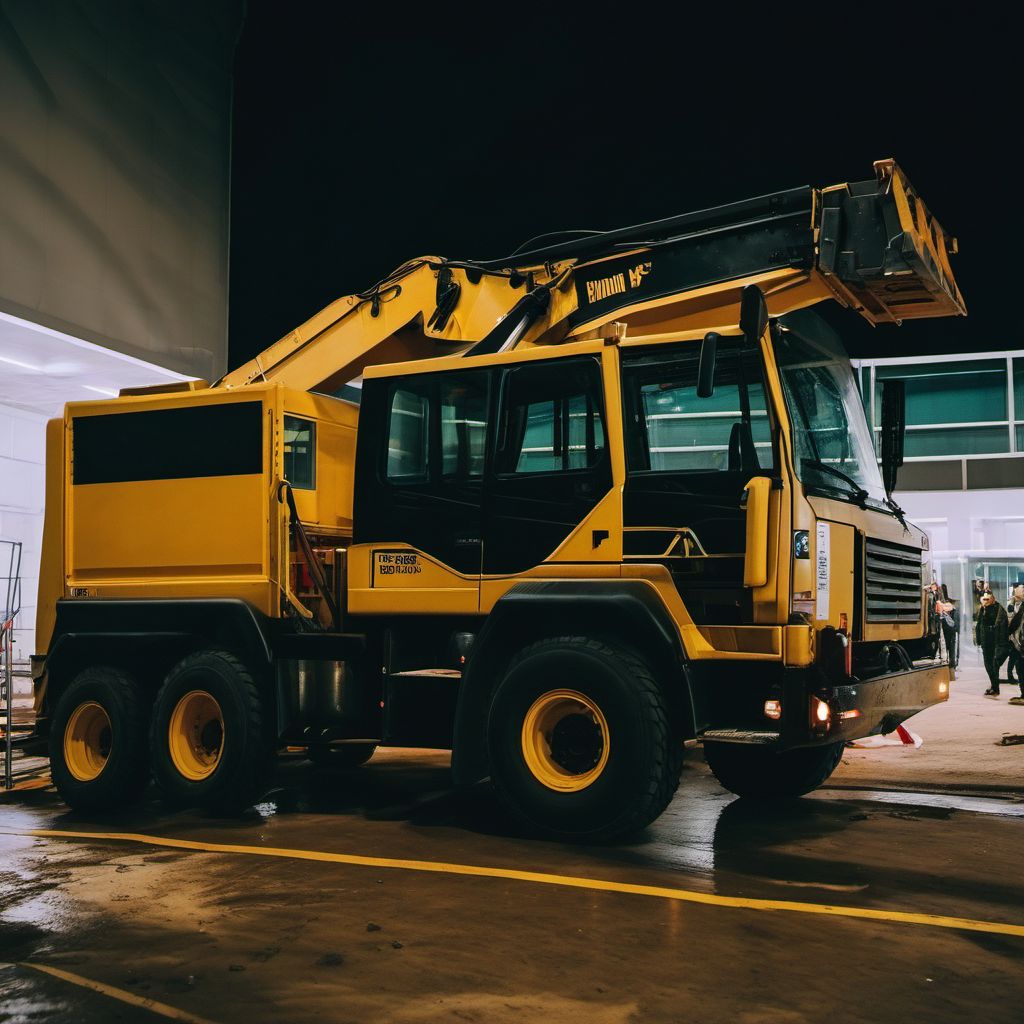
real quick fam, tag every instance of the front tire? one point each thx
(580, 741)
(98, 756)
(765, 774)
(208, 736)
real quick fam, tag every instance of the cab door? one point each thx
(418, 496)
(551, 464)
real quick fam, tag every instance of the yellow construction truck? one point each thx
(558, 512)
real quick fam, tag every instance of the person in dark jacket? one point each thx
(1015, 616)
(934, 597)
(990, 634)
(949, 618)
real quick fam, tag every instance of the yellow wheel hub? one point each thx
(565, 740)
(195, 735)
(87, 740)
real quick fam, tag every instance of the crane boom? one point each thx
(873, 244)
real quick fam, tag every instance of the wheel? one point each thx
(98, 757)
(207, 734)
(342, 755)
(764, 774)
(580, 742)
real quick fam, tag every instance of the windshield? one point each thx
(834, 450)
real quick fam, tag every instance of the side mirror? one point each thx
(706, 367)
(753, 314)
(894, 403)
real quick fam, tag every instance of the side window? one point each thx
(551, 419)
(408, 433)
(463, 403)
(300, 452)
(671, 429)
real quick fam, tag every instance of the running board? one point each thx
(740, 736)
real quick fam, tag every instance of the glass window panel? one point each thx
(1020, 437)
(687, 433)
(551, 419)
(1018, 387)
(408, 435)
(957, 441)
(300, 453)
(957, 392)
(463, 425)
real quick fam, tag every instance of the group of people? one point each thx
(999, 633)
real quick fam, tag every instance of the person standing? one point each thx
(949, 617)
(933, 619)
(990, 634)
(1015, 631)
(1015, 616)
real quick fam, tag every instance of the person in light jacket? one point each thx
(990, 634)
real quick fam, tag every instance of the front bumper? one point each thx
(855, 709)
(861, 708)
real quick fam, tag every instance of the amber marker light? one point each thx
(943, 687)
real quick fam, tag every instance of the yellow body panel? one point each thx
(384, 578)
(212, 526)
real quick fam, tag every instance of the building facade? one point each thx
(963, 475)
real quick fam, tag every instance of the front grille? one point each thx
(892, 575)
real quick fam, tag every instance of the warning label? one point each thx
(397, 563)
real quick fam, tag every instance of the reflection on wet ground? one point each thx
(288, 940)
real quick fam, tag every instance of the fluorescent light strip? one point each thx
(21, 365)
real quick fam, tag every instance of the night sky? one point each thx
(364, 139)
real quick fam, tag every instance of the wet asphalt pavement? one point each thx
(234, 937)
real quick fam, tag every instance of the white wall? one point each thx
(22, 459)
(115, 136)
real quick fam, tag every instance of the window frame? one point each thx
(593, 365)
(637, 436)
(311, 423)
(423, 388)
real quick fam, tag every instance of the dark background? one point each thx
(365, 137)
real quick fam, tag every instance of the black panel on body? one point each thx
(168, 444)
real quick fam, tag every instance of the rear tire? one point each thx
(341, 756)
(581, 746)
(98, 756)
(764, 774)
(208, 735)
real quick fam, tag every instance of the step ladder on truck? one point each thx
(557, 512)
(10, 561)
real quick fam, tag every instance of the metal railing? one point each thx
(10, 556)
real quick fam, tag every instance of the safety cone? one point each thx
(904, 734)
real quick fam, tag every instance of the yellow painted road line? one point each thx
(163, 1009)
(541, 878)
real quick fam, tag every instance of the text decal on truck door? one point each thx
(821, 571)
(396, 563)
